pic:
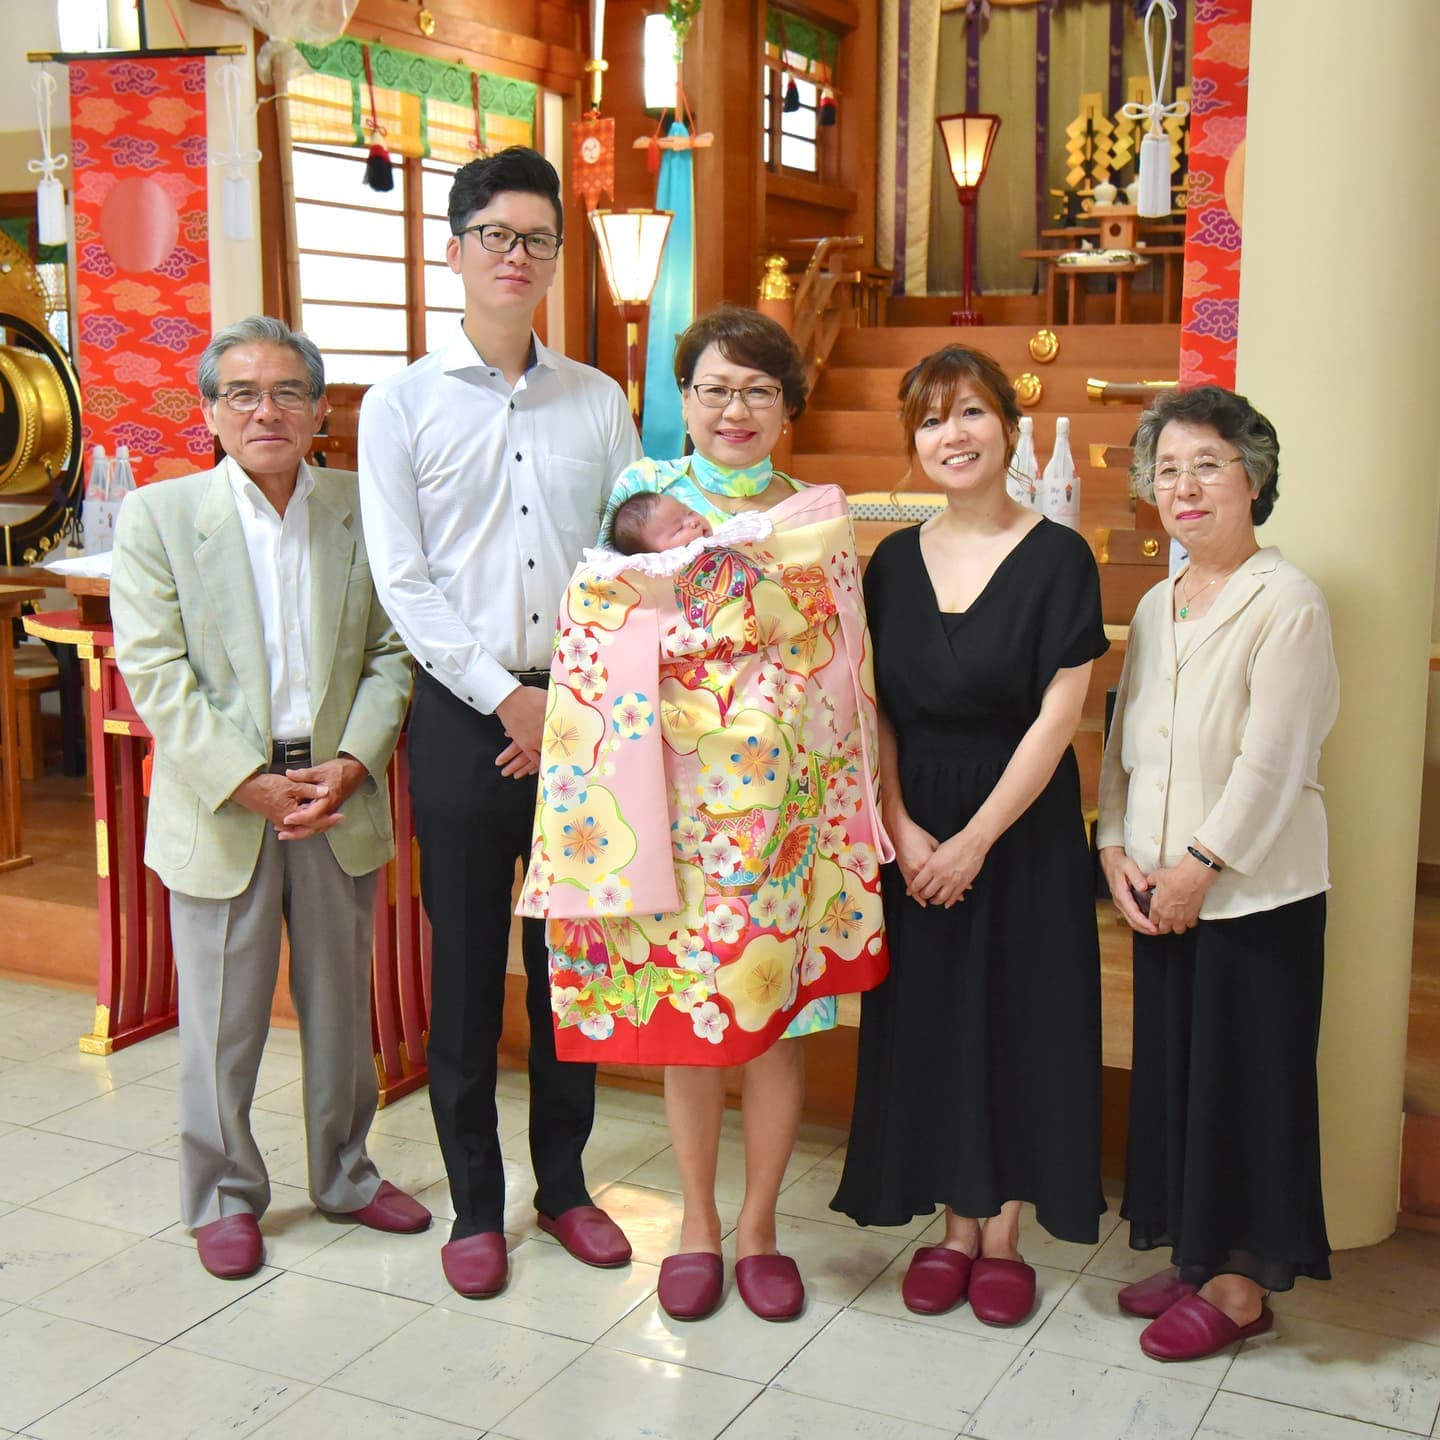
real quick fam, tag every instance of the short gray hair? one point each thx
(1236, 421)
(259, 330)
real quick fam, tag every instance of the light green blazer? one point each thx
(189, 643)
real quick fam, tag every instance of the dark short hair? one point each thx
(1234, 419)
(745, 337)
(932, 385)
(630, 520)
(518, 168)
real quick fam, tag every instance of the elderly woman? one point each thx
(1212, 837)
(707, 849)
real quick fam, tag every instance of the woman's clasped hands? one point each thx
(1165, 903)
(938, 872)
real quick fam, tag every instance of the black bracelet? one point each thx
(1204, 859)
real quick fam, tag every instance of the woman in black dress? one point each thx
(979, 1072)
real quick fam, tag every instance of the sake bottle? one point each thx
(94, 535)
(1023, 481)
(1060, 485)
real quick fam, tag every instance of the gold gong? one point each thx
(36, 423)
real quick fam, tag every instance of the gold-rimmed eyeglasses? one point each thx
(501, 240)
(1207, 470)
(752, 397)
(242, 399)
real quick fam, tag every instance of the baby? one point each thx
(649, 522)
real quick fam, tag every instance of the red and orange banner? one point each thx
(1210, 306)
(142, 257)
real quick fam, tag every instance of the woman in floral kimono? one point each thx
(707, 839)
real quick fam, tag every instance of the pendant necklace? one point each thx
(1185, 608)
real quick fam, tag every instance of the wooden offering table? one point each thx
(135, 989)
(12, 857)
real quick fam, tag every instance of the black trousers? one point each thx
(474, 826)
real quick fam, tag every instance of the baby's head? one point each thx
(647, 523)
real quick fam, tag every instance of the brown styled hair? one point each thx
(745, 337)
(933, 384)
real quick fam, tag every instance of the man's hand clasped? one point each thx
(302, 803)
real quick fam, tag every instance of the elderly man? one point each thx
(248, 631)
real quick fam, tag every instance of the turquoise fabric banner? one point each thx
(672, 307)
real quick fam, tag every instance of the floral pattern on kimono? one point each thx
(707, 839)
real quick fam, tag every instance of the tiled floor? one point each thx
(109, 1327)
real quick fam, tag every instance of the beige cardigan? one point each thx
(1222, 747)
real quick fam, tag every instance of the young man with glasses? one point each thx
(484, 469)
(256, 652)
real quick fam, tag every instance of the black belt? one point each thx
(290, 754)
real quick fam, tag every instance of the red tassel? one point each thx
(826, 109)
(379, 170)
(652, 155)
(791, 102)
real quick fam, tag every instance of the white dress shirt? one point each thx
(477, 500)
(1216, 738)
(279, 548)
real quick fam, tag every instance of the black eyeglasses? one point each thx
(752, 397)
(500, 240)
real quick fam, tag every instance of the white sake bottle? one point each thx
(94, 512)
(1060, 485)
(1023, 481)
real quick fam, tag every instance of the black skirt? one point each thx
(1223, 1164)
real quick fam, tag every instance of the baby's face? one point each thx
(672, 524)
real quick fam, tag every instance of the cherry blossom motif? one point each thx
(863, 862)
(722, 673)
(688, 833)
(610, 896)
(577, 648)
(685, 640)
(725, 923)
(772, 680)
(813, 965)
(720, 856)
(589, 680)
(632, 715)
(842, 797)
(564, 787)
(691, 996)
(563, 998)
(709, 966)
(765, 908)
(709, 1022)
(685, 945)
(755, 761)
(792, 912)
(714, 787)
(791, 704)
(842, 567)
(598, 1027)
(585, 839)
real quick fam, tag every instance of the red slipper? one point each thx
(1002, 1292)
(691, 1284)
(1152, 1297)
(936, 1281)
(771, 1286)
(1193, 1328)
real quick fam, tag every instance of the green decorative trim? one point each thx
(422, 77)
(21, 230)
(800, 37)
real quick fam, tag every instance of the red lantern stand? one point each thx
(135, 986)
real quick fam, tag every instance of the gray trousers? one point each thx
(227, 959)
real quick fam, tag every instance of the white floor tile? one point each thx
(461, 1368)
(776, 1415)
(1087, 1402)
(651, 1218)
(835, 1267)
(1354, 1373)
(133, 1116)
(152, 1290)
(1239, 1417)
(661, 1172)
(330, 1415)
(552, 1292)
(169, 1395)
(1089, 1324)
(732, 1341)
(640, 1397)
(283, 1037)
(287, 1099)
(403, 1265)
(124, 1067)
(895, 1367)
(620, 1146)
(611, 1102)
(41, 1251)
(1115, 1260)
(1039, 1247)
(882, 1297)
(300, 1327)
(293, 1229)
(411, 1118)
(37, 1090)
(809, 1198)
(35, 1163)
(1393, 1289)
(42, 1029)
(48, 1361)
(140, 1193)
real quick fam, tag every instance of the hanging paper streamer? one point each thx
(592, 160)
(672, 306)
(236, 218)
(49, 194)
(1154, 189)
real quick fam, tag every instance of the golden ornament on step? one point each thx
(425, 22)
(1044, 346)
(1028, 390)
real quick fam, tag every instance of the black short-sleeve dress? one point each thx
(979, 1069)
